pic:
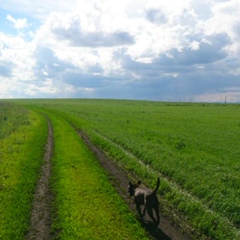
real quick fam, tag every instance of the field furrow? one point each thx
(40, 222)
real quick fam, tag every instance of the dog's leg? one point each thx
(150, 213)
(138, 207)
(156, 208)
(144, 211)
(145, 207)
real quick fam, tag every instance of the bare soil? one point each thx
(40, 222)
(120, 180)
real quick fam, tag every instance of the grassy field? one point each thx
(20, 161)
(193, 146)
(85, 205)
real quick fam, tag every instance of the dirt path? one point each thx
(40, 222)
(119, 179)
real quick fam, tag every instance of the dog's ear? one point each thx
(139, 182)
(130, 189)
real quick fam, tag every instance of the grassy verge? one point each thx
(86, 206)
(21, 154)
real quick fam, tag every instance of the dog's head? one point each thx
(132, 187)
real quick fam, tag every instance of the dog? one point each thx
(145, 197)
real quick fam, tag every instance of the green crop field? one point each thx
(194, 148)
(84, 206)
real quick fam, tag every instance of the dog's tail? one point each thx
(157, 187)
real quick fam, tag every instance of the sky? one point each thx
(184, 50)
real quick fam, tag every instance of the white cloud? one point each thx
(225, 19)
(139, 48)
(38, 9)
(194, 45)
(18, 23)
(16, 56)
(46, 88)
(17, 61)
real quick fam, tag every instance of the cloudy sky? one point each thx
(184, 50)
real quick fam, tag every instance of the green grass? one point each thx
(86, 206)
(194, 147)
(20, 161)
(12, 117)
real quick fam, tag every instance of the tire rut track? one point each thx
(119, 179)
(40, 221)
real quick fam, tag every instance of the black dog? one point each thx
(146, 197)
